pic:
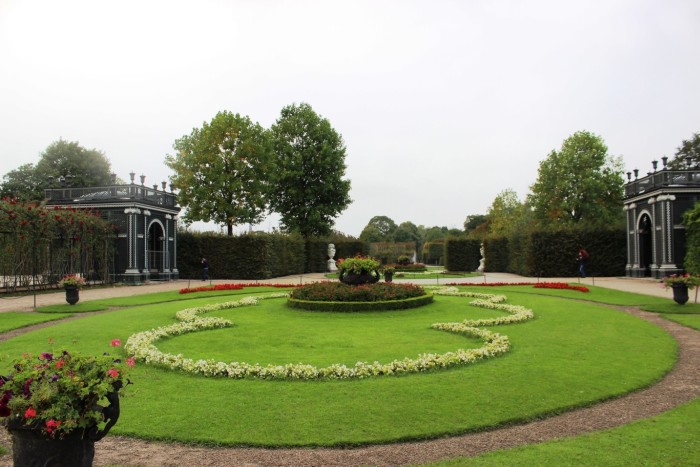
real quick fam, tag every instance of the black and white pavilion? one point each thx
(146, 222)
(654, 207)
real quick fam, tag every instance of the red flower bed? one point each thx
(560, 285)
(209, 288)
(538, 285)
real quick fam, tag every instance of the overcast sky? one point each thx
(442, 104)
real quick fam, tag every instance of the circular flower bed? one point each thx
(142, 345)
(336, 296)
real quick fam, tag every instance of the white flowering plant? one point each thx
(142, 345)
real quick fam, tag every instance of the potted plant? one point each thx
(388, 273)
(680, 284)
(72, 283)
(51, 404)
(358, 270)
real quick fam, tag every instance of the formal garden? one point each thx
(238, 367)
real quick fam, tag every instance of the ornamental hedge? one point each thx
(543, 253)
(336, 296)
(257, 255)
(350, 307)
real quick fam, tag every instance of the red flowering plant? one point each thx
(681, 279)
(59, 393)
(72, 280)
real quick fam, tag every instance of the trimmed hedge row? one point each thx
(462, 254)
(257, 255)
(351, 307)
(553, 253)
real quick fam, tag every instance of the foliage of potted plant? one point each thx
(358, 270)
(72, 283)
(51, 405)
(681, 283)
(388, 271)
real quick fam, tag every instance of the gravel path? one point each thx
(680, 385)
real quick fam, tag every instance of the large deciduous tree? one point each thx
(87, 167)
(407, 232)
(687, 154)
(23, 183)
(221, 171)
(379, 229)
(505, 214)
(581, 184)
(309, 189)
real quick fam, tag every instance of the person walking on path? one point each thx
(582, 257)
(205, 269)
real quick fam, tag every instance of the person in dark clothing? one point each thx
(582, 257)
(205, 269)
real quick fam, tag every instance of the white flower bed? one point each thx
(141, 345)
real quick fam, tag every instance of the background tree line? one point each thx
(229, 171)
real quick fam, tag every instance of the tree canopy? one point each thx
(379, 229)
(407, 232)
(505, 214)
(687, 154)
(221, 171)
(309, 161)
(580, 183)
(23, 183)
(88, 167)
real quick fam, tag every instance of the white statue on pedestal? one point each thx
(482, 260)
(331, 262)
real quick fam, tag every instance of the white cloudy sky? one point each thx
(442, 104)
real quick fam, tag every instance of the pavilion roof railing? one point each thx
(111, 194)
(663, 179)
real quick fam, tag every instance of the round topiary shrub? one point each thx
(336, 296)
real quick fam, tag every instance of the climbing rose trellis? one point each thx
(40, 245)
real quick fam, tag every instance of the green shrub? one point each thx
(339, 292)
(462, 254)
(403, 304)
(433, 252)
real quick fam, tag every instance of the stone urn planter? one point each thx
(32, 446)
(680, 293)
(72, 294)
(52, 405)
(364, 277)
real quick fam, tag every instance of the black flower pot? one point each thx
(364, 277)
(72, 294)
(388, 276)
(680, 293)
(33, 448)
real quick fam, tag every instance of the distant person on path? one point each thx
(582, 257)
(205, 269)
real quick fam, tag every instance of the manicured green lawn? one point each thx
(12, 320)
(672, 438)
(692, 321)
(572, 354)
